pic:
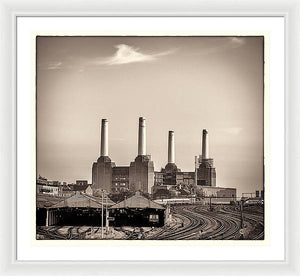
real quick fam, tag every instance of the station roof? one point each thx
(80, 200)
(137, 201)
(46, 201)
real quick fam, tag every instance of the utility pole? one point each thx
(106, 215)
(196, 166)
(102, 215)
(47, 217)
(242, 221)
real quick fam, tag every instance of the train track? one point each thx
(256, 219)
(200, 223)
(52, 233)
(193, 225)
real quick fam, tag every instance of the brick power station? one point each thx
(140, 175)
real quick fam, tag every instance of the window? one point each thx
(153, 218)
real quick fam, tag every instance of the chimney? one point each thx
(142, 136)
(205, 145)
(171, 147)
(104, 137)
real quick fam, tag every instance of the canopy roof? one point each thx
(45, 201)
(137, 201)
(80, 200)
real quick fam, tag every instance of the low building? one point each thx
(81, 182)
(160, 191)
(89, 190)
(216, 195)
(138, 210)
(44, 202)
(79, 209)
(46, 187)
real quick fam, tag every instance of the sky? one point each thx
(184, 84)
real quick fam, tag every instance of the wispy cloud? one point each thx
(127, 54)
(223, 44)
(53, 65)
(124, 54)
(236, 42)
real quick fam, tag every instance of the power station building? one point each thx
(204, 174)
(139, 176)
(172, 181)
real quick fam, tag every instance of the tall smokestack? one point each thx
(104, 137)
(142, 136)
(171, 147)
(205, 145)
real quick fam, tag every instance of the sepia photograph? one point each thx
(150, 138)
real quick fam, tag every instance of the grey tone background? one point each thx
(183, 84)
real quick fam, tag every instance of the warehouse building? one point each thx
(79, 209)
(217, 195)
(138, 211)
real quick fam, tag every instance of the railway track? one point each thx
(200, 223)
(52, 233)
(256, 219)
(193, 225)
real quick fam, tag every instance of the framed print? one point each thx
(152, 140)
(101, 202)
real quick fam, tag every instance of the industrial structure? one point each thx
(204, 174)
(78, 209)
(102, 169)
(84, 204)
(139, 176)
(141, 171)
(172, 182)
(138, 210)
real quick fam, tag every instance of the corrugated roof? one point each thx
(46, 201)
(137, 201)
(80, 200)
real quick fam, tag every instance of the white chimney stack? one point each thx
(205, 145)
(104, 137)
(142, 136)
(171, 147)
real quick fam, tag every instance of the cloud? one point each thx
(126, 54)
(223, 44)
(53, 65)
(236, 42)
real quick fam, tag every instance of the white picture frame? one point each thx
(9, 263)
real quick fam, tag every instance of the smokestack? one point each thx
(171, 147)
(205, 145)
(104, 137)
(142, 136)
